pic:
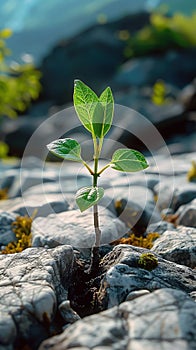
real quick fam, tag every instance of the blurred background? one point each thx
(145, 50)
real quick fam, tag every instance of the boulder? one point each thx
(163, 319)
(166, 66)
(123, 275)
(187, 214)
(160, 227)
(173, 197)
(178, 246)
(76, 228)
(33, 284)
(36, 205)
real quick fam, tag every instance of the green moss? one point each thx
(148, 261)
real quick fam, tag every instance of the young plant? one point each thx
(96, 115)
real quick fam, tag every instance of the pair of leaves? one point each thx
(123, 160)
(127, 160)
(95, 113)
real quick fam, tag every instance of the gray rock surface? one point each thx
(160, 227)
(6, 233)
(76, 228)
(141, 179)
(124, 276)
(32, 285)
(187, 214)
(36, 205)
(178, 246)
(172, 197)
(164, 319)
(136, 294)
(139, 207)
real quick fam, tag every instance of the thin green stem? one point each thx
(88, 167)
(104, 168)
(95, 175)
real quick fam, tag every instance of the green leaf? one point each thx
(107, 102)
(128, 160)
(98, 120)
(85, 102)
(86, 197)
(103, 113)
(68, 149)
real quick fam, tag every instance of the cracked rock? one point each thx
(32, 285)
(164, 319)
(124, 276)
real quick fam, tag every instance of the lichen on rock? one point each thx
(148, 261)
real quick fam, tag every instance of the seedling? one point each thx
(96, 115)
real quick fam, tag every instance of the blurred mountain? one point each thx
(39, 25)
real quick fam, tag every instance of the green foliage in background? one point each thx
(4, 149)
(163, 33)
(19, 83)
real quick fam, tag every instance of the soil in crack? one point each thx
(83, 290)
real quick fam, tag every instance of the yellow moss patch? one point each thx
(22, 229)
(3, 193)
(144, 242)
(191, 175)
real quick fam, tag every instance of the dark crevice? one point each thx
(84, 289)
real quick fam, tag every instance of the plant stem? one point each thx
(96, 226)
(95, 207)
(95, 258)
(88, 167)
(104, 168)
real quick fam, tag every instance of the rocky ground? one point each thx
(48, 301)
(142, 295)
